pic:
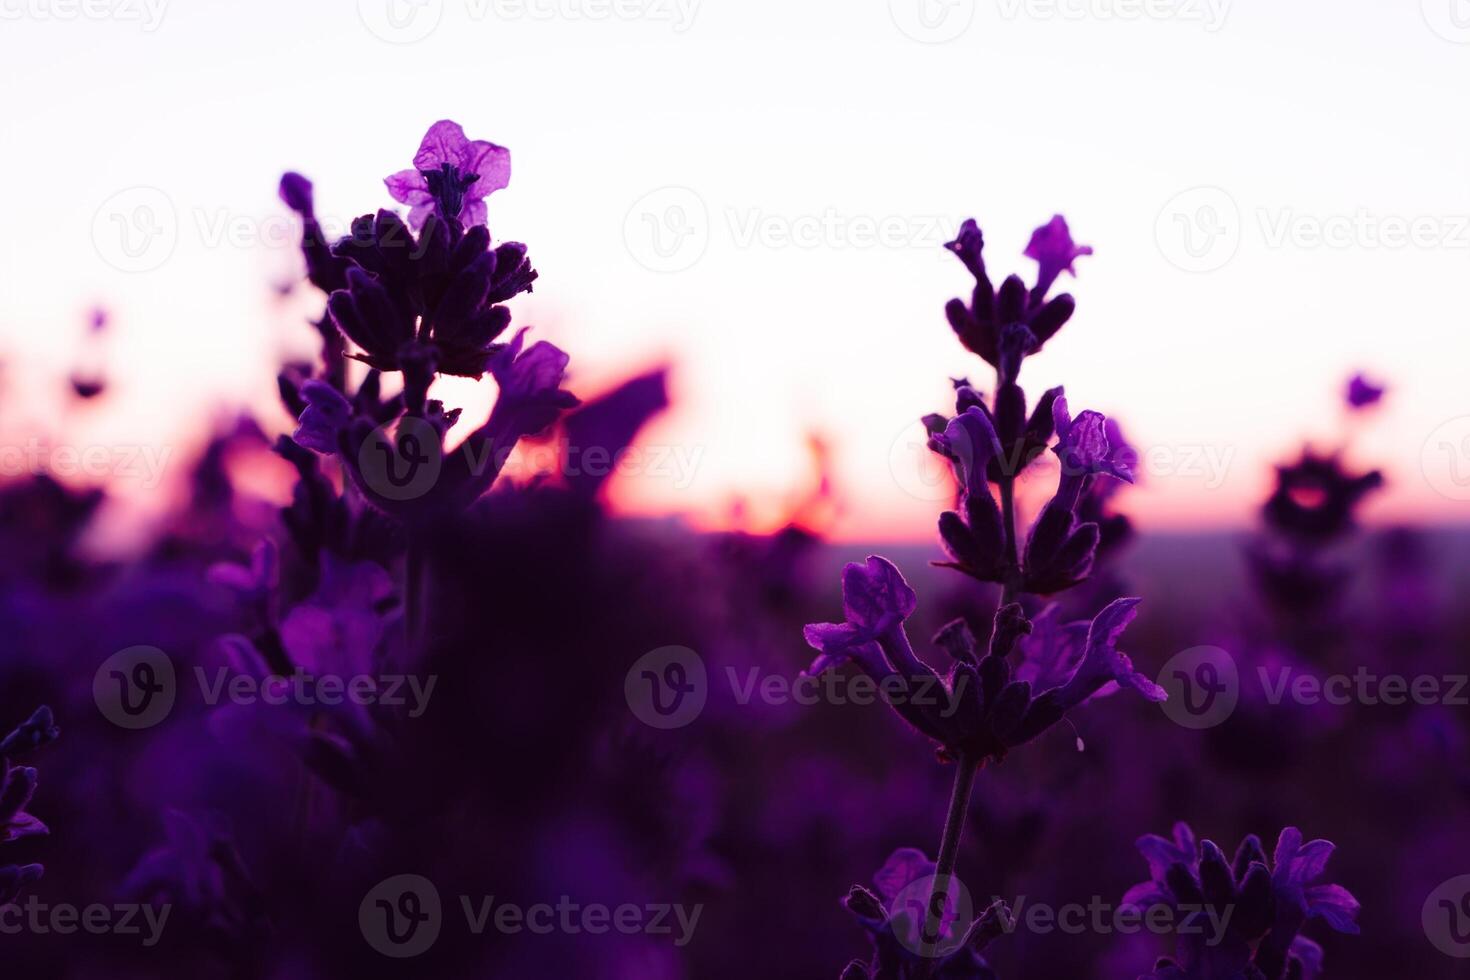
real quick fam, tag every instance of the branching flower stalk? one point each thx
(988, 707)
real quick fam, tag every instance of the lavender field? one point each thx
(971, 491)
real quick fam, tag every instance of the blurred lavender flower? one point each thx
(1267, 901)
(1362, 393)
(1315, 498)
(17, 787)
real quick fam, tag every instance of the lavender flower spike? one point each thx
(451, 174)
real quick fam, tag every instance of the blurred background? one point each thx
(757, 193)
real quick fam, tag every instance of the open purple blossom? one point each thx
(893, 917)
(326, 414)
(451, 175)
(1061, 548)
(981, 712)
(1257, 905)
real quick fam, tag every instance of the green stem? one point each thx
(1013, 552)
(949, 852)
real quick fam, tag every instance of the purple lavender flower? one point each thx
(979, 323)
(981, 712)
(1362, 393)
(451, 175)
(426, 305)
(17, 786)
(325, 416)
(1315, 498)
(37, 730)
(1052, 247)
(894, 927)
(1060, 549)
(1269, 901)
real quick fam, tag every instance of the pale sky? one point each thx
(1277, 193)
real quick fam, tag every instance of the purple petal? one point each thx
(876, 592)
(903, 867)
(409, 187)
(1335, 905)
